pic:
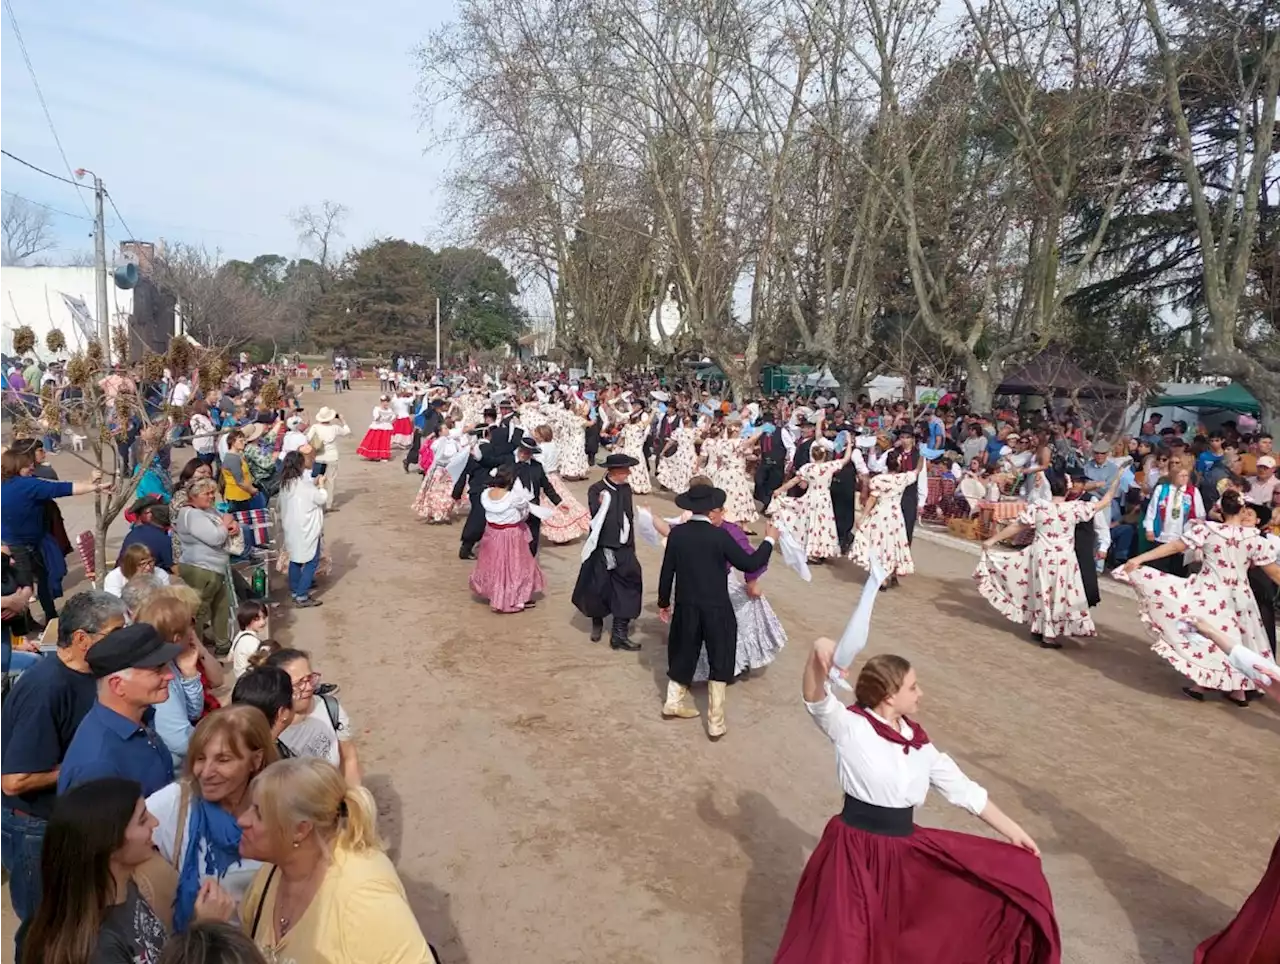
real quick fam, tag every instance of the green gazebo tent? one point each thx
(1228, 398)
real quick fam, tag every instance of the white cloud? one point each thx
(211, 123)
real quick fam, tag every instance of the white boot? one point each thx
(675, 706)
(716, 727)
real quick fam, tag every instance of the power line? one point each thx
(41, 170)
(47, 207)
(22, 45)
(132, 236)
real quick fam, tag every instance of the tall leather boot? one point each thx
(716, 727)
(675, 707)
(618, 636)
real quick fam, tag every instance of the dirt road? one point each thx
(539, 809)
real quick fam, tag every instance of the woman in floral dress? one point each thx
(570, 519)
(678, 461)
(570, 428)
(1219, 592)
(435, 501)
(1041, 584)
(811, 518)
(882, 533)
(631, 442)
(730, 474)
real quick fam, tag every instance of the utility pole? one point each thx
(437, 334)
(100, 267)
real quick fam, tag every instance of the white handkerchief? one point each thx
(541, 511)
(858, 630)
(457, 464)
(645, 528)
(793, 554)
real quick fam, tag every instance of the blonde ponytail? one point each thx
(309, 789)
(357, 821)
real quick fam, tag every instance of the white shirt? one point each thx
(876, 771)
(301, 505)
(181, 392)
(1170, 526)
(115, 581)
(243, 647)
(164, 805)
(314, 735)
(401, 406)
(292, 441)
(512, 508)
(549, 457)
(324, 438)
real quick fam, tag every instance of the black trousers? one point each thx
(768, 477)
(535, 532)
(910, 509)
(473, 528)
(1086, 545)
(1264, 591)
(692, 627)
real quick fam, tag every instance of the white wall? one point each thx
(33, 297)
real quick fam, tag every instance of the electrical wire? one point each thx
(47, 207)
(132, 236)
(41, 170)
(22, 45)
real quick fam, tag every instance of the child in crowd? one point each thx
(251, 617)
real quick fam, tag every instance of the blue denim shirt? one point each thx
(107, 744)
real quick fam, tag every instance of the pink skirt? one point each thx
(402, 432)
(506, 573)
(571, 519)
(435, 501)
(933, 897)
(375, 446)
(1254, 936)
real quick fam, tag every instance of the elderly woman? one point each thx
(37, 559)
(197, 830)
(204, 534)
(330, 892)
(302, 502)
(135, 559)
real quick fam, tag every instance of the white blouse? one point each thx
(549, 457)
(512, 508)
(382, 418)
(401, 407)
(876, 771)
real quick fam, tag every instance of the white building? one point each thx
(45, 298)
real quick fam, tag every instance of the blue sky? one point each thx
(211, 121)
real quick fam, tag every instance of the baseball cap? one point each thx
(139, 645)
(1266, 462)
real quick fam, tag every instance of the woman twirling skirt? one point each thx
(570, 520)
(435, 501)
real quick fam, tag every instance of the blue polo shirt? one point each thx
(155, 539)
(107, 744)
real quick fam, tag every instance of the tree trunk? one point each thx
(979, 386)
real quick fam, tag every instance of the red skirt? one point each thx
(402, 432)
(375, 446)
(933, 897)
(1254, 936)
(506, 573)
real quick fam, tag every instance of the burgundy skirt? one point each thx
(506, 573)
(930, 897)
(1254, 936)
(376, 445)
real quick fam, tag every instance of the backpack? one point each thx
(331, 707)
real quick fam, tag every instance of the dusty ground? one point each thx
(539, 809)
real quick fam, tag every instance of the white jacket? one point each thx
(302, 505)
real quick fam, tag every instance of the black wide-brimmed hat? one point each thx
(701, 499)
(618, 460)
(530, 444)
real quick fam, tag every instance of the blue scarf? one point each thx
(212, 825)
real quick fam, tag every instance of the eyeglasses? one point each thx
(307, 682)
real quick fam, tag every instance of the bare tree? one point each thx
(216, 305)
(26, 230)
(319, 230)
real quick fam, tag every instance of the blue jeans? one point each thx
(302, 575)
(1122, 540)
(22, 836)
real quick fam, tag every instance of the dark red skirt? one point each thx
(1254, 936)
(934, 897)
(376, 445)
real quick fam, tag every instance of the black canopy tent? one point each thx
(1053, 374)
